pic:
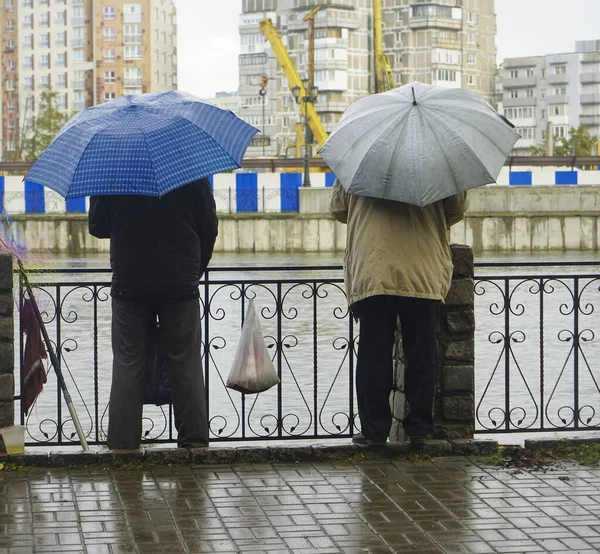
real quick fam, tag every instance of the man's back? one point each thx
(159, 246)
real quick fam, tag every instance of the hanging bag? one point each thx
(252, 370)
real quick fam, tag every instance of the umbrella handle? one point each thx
(414, 97)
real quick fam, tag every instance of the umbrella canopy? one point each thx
(418, 144)
(146, 144)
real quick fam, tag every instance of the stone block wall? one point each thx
(7, 338)
(454, 402)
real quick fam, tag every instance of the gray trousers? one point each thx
(132, 326)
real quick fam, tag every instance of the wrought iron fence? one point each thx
(305, 321)
(537, 355)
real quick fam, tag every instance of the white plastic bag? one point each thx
(252, 370)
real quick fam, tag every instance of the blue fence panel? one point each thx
(1, 191)
(34, 198)
(290, 197)
(75, 205)
(520, 178)
(329, 179)
(246, 192)
(566, 177)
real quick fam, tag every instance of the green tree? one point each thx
(578, 143)
(45, 126)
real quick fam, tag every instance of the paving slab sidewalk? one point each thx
(453, 505)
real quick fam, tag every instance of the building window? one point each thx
(45, 19)
(110, 77)
(530, 73)
(543, 93)
(559, 110)
(61, 100)
(470, 79)
(109, 13)
(514, 74)
(109, 96)
(561, 131)
(560, 91)
(398, 58)
(44, 2)
(543, 114)
(132, 13)
(527, 133)
(133, 52)
(10, 66)
(28, 21)
(78, 37)
(446, 75)
(44, 80)
(10, 85)
(61, 80)
(471, 38)
(9, 5)
(28, 41)
(514, 94)
(133, 34)
(519, 113)
(28, 62)
(110, 34)
(61, 38)
(78, 17)
(10, 25)
(78, 55)
(61, 18)
(29, 82)
(61, 59)
(543, 73)
(12, 106)
(79, 79)
(471, 18)
(45, 40)
(529, 93)
(12, 145)
(45, 60)
(78, 100)
(133, 77)
(560, 69)
(471, 59)
(28, 3)
(110, 55)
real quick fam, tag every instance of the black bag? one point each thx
(158, 388)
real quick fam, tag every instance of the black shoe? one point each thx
(359, 438)
(419, 440)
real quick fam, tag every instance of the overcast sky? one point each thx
(209, 43)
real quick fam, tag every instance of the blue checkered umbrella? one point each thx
(146, 144)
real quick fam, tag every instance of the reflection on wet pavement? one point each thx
(449, 505)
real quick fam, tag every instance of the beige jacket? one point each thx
(395, 248)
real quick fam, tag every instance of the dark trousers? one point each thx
(133, 323)
(374, 372)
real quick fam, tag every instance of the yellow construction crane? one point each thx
(289, 70)
(384, 77)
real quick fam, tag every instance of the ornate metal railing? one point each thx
(537, 359)
(306, 326)
(537, 352)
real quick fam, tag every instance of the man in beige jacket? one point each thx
(397, 264)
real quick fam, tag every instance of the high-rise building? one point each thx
(88, 51)
(562, 89)
(448, 43)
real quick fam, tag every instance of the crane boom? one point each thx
(384, 77)
(289, 70)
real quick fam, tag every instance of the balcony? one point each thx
(558, 99)
(519, 82)
(516, 102)
(590, 98)
(590, 78)
(446, 43)
(589, 120)
(79, 85)
(591, 57)
(78, 21)
(554, 79)
(434, 22)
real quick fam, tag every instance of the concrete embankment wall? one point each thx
(523, 219)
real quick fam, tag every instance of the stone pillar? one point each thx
(454, 403)
(7, 338)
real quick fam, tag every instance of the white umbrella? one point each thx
(418, 144)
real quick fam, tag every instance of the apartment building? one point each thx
(447, 43)
(562, 89)
(88, 51)
(343, 58)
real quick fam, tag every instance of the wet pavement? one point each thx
(449, 505)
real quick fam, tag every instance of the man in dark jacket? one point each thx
(159, 250)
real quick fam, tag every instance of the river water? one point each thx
(542, 362)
